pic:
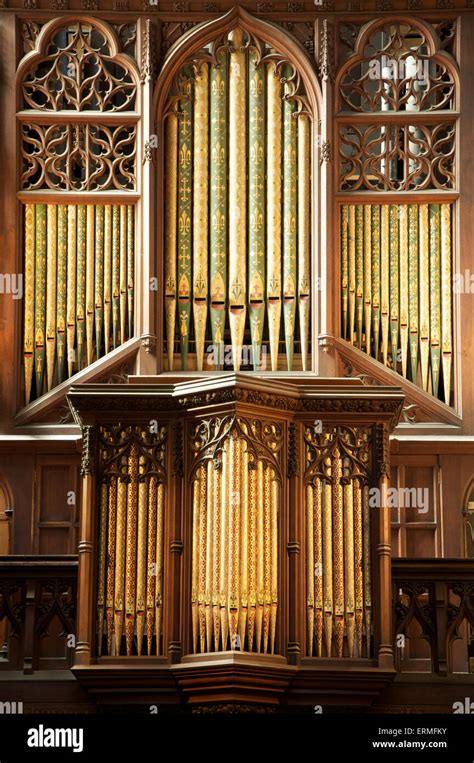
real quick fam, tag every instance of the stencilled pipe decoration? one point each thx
(243, 159)
(406, 285)
(129, 601)
(79, 280)
(218, 234)
(338, 538)
(236, 502)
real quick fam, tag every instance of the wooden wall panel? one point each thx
(18, 472)
(417, 522)
(56, 505)
(457, 471)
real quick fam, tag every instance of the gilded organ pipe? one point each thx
(218, 204)
(184, 221)
(51, 287)
(61, 297)
(304, 234)
(131, 520)
(110, 570)
(29, 317)
(413, 291)
(338, 566)
(115, 274)
(352, 270)
(345, 268)
(359, 271)
(152, 563)
(404, 285)
(107, 276)
(328, 603)
(75, 256)
(274, 283)
(90, 267)
(435, 296)
(238, 208)
(406, 268)
(289, 223)
(235, 550)
(318, 566)
(256, 222)
(424, 275)
(385, 279)
(99, 276)
(123, 271)
(142, 530)
(241, 207)
(71, 285)
(375, 279)
(446, 300)
(131, 547)
(367, 275)
(200, 209)
(394, 298)
(171, 184)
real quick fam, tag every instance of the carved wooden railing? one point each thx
(37, 612)
(438, 594)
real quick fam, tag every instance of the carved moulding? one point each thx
(264, 440)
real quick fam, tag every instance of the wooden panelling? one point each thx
(417, 526)
(55, 505)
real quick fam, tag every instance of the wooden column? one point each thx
(85, 614)
(322, 139)
(173, 578)
(295, 586)
(441, 657)
(384, 552)
(148, 302)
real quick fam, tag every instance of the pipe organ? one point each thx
(396, 135)
(236, 507)
(79, 288)
(233, 516)
(131, 500)
(78, 125)
(338, 542)
(237, 209)
(396, 278)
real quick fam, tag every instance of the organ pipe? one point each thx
(338, 566)
(234, 570)
(77, 258)
(405, 266)
(129, 597)
(238, 207)
(243, 153)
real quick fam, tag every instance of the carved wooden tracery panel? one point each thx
(78, 70)
(78, 157)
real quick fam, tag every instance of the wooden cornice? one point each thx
(198, 10)
(335, 399)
